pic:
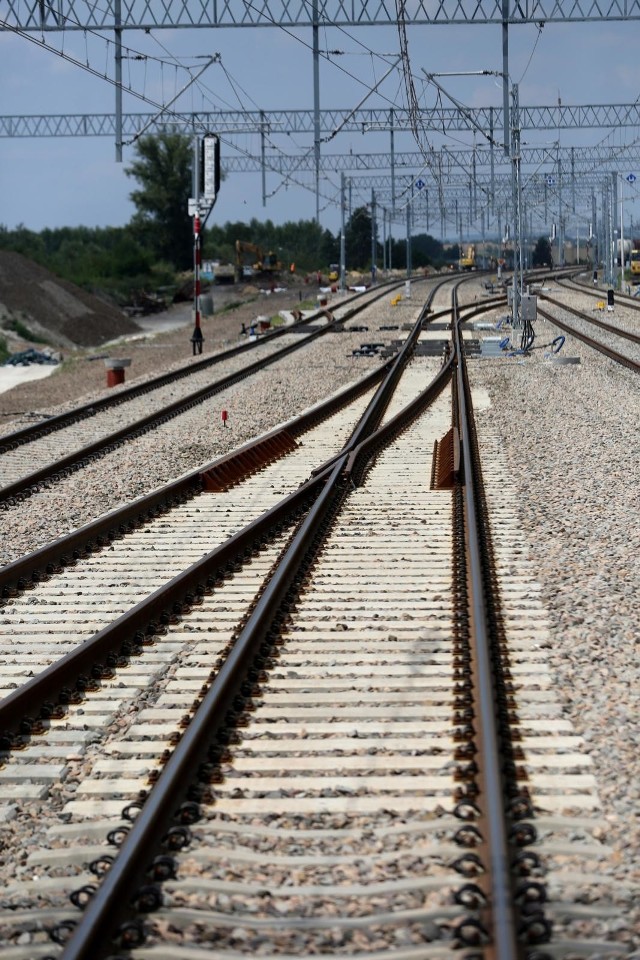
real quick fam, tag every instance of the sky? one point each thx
(68, 181)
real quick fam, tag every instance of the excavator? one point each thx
(262, 265)
(468, 260)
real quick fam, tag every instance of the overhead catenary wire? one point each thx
(329, 55)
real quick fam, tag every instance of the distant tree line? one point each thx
(157, 244)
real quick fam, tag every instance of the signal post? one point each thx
(207, 184)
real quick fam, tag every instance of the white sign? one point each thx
(211, 163)
(198, 208)
(550, 181)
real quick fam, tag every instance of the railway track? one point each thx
(333, 733)
(617, 342)
(44, 452)
(599, 294)
(620, 341)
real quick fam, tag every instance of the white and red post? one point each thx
(196, 338)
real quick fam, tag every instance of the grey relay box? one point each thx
(529, 307)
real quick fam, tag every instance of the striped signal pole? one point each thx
(197, 338)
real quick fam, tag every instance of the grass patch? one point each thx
(233, 305)
(22, 330)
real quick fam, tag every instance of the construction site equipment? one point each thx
(223, 272)
(252, 261)
(468, 260)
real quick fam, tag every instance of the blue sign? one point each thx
(420, 184)
(631, 178)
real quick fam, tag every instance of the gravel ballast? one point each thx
(570, 434)
(571, 437)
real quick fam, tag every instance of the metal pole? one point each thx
(492, 165)
(342, 238)
(373, 236)
(393, 166)
(316, 103)
(515, 158)
(518, 197)
(384, 241)
(594, 231)
(408, 244)
(474, 214)
(610, 215)
(505, 76)
(117, 16)
(560, 224)
(263, 160)
(196, 337)
(621, 235)
(546, 203)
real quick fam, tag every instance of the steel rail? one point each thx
(588, 290)
(608, 327)
(30, 569)
(365, 449)
(36, 700)
(122, 883)
(595, 344)
(502, 908)
(20, 488)
(475, 309)
(111, 902)
(37, 565)
(34, 431)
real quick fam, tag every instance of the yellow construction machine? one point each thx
(251, 261)
(468, 260)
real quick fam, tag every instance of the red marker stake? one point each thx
(225, 417)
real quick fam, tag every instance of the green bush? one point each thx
(23, 331)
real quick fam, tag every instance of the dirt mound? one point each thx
(54, 310)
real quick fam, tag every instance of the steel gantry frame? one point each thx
(442, 120)
(121, 15)
(142, 15)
